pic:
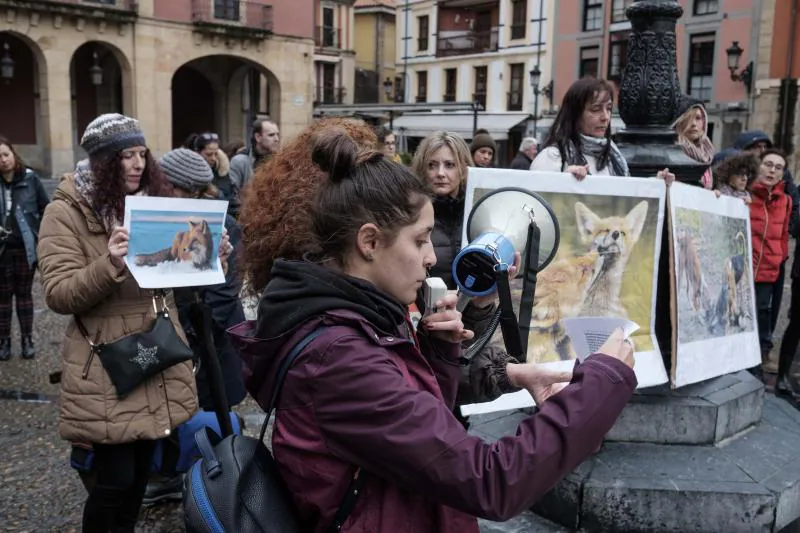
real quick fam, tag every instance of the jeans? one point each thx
(777, 296)
(121, 474)
(764, 295)
(791, 337)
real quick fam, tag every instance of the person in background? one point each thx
(207, 145)
(234, 148)
(735, 176)
(387, 140)
(82, 249)
(369, 397)
(692, 129)
(528, 149)
(22, 205)
(264, 142)
(770, 213)
(579, 141)
(192, 178)
(786, 385)
(482, 149)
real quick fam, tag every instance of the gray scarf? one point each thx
(595, 146)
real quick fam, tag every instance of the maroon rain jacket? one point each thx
(359, 396)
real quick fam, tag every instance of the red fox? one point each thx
(195, 245)
(613, 238)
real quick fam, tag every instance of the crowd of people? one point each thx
(345, 242)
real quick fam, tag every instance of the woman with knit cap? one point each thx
(191, 177)
(483, 149)
(82, 247)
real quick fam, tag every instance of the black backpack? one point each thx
(236, 486)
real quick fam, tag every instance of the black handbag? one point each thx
(236, 486)
(133, 359)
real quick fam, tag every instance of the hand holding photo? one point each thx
(588, 334)
(174, 242)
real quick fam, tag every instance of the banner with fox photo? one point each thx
(713, 297)
(606, 265)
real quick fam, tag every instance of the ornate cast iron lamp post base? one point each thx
(650, 93)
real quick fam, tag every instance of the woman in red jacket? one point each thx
(370, 395)
(769, 223)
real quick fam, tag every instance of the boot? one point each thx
(765, 362)
(5, 349)
(784, 384)
(27, 347)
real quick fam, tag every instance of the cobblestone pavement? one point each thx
(40, 492)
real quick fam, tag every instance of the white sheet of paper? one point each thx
(589, 333)
(159, 226)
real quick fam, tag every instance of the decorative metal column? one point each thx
(650, 92)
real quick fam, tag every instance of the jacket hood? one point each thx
(302, 290)
(746, 139)
(223, 163)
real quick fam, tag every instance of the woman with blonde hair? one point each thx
(692, 130)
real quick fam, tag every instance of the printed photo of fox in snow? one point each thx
(175, 243)
(713, 273)
(604, 267)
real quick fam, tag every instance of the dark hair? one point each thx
(109, 190)
(233, 148)
(198, 141)
(566, 124)
(774, 151)
(742, 164)
(382, 133)
(362, 187)
(19, 164)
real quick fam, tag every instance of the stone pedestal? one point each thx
(716, 456)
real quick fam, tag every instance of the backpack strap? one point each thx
(357, 482)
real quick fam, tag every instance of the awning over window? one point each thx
(422, 124)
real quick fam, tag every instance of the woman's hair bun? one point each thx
(334, 152)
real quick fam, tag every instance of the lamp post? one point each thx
(535, 77)
(6, 65)
(388, 87)
(734, 53)
(96, 72)
(476, 106)
(649, 94)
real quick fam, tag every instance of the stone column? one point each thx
(56, 106)
(650, 93)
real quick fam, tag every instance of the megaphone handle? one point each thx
(508, 320)
(529, 283)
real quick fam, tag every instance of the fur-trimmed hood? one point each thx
(223, 163)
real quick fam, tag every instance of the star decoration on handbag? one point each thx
(145, 357)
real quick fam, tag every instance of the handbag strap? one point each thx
(82, 329)
(357, 482)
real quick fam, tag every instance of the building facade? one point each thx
(474, 51)
(592, 40)
(334, 54)
(777, 68)
(375, 47)
(179, 66)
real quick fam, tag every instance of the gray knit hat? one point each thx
(186, 169)
(113, 132)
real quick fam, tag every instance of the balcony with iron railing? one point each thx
(113, 10)
(240, 18)
(459, 43)
(328, 37)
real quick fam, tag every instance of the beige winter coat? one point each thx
(79, 278)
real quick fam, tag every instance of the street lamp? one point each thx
(535, 76)
(388, 87)
(96, 72)
(6, 65)
(746, 75)
(476, 106)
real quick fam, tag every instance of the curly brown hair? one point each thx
(743, 164)
(109, 189)
(276, 203)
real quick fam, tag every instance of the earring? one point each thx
(370, 258)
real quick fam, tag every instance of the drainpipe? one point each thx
(787, 110)
(406, 87)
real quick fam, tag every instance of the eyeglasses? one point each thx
(771, 165)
